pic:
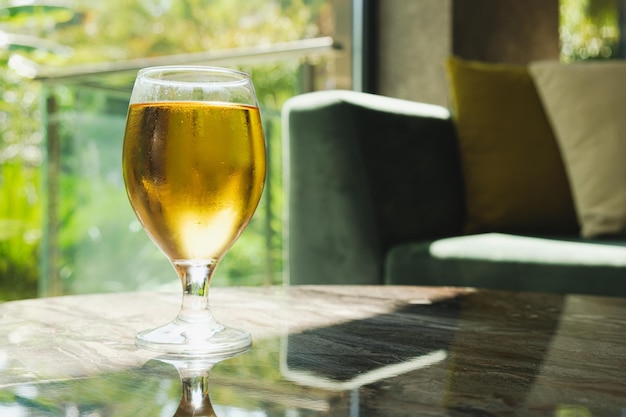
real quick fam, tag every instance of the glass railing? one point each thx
(92, 241)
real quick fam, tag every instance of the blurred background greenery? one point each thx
(65, 222)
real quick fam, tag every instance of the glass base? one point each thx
(194, 339)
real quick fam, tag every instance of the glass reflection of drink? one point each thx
(195, 399)
(194, 373)
(194, 168)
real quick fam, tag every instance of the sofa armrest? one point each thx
(362, 173)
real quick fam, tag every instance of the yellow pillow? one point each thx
(514, 175)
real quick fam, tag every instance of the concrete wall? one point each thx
(416, 36)
(510, 31)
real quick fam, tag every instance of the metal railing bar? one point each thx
(305, 48)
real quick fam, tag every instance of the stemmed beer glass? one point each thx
(194, 169)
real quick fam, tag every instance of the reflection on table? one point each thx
(322, 351)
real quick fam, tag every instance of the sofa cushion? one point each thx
(515, 180)
(586, 104)
(512, 262)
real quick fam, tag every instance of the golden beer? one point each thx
(194, 173)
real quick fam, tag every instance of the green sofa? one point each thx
(375, 195)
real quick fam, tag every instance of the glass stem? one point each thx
(196, 279)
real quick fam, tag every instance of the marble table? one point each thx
(322, 351)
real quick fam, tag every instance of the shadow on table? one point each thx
(463, 354)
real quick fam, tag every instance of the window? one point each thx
(64, 200)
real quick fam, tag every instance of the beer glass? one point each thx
(194, 169)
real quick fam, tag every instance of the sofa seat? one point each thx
(512, 262)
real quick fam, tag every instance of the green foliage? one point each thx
(589, 29)
(123, 29)
(99, 245)
(18, 16)
(20, 230)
